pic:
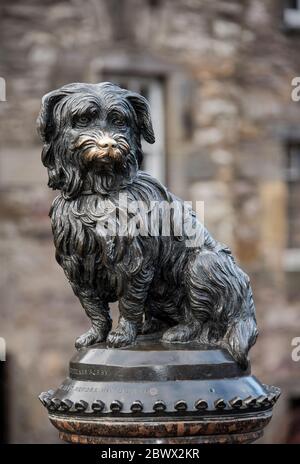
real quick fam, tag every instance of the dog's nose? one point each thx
(107, 142)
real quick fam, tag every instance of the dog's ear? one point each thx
(142, 110)
(46, 124)
(45, 120)
(46, 127)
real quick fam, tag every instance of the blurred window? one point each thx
(152, 88)
(293, 183)
(292, 252)
(291, 14)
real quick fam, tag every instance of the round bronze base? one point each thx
(157, 393)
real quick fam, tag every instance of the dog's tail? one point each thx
(242, 332)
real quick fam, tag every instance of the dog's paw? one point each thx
(124, 335)
(181, 333)
(89, 338)
(118, 338)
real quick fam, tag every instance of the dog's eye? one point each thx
(81, 120)
(117, 119)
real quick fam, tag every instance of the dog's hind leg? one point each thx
(200, 298)
(191, 324)
(219, 298)
(98, 312)
(187, 329)
(182, 333)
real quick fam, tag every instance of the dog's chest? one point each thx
(74, 227)
(91, 226)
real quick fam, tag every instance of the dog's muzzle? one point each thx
(102, 146)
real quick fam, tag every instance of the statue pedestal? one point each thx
(158, 393)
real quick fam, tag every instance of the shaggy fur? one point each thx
(92, 150)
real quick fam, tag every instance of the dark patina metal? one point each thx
(180, 397)
(189, 381)
(182, 281)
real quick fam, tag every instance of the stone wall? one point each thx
(236, 64)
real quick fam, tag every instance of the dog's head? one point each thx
(92, 136)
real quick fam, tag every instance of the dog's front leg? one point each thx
(131, 309)
(98, 312)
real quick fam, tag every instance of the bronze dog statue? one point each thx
(92, 150)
